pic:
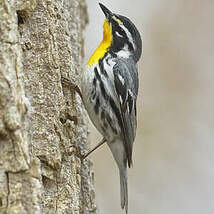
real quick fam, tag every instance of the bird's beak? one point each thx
(106, 11)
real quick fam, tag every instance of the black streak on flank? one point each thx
(116, 110)
(93, 94)
(102, 88)
(103, 71)
(97, 105)
(97, 74)
(103, 91)
(95, 82)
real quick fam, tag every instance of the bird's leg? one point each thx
(97, 146)
(71, 85)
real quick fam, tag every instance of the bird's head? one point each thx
(124, 37)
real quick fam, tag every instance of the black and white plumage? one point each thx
(110, 88)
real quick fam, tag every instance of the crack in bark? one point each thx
(8, 188)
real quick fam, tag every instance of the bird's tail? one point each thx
(124, 189)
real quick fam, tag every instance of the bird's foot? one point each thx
(71, 85)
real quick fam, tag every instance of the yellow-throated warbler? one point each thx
(109, 90)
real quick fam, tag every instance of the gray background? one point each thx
(173, 169)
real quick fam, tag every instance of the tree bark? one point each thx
(43, 125)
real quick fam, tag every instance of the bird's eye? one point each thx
(122, 30)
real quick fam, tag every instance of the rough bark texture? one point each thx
(42, 124)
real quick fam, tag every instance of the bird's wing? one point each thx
(126, 88)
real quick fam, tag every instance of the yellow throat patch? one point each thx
(104, 45)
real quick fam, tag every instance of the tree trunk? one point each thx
(43, 125)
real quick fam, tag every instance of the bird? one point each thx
(109, 90)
